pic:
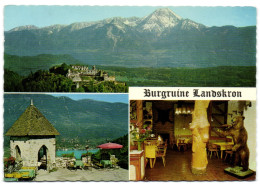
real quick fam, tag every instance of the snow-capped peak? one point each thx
(166, 12)
(159, 20)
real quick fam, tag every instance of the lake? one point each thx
(77, 153)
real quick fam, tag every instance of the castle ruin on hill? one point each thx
(83, 74)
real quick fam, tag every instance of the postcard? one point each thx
(134, 91)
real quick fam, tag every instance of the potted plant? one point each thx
(140, 135)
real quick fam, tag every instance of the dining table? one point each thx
(185, 140)
(222, 146)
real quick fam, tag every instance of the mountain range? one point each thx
(78, 122)
(161, 39)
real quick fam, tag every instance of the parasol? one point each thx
(110, 146)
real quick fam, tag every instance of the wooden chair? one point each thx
(172, 143)
(150, 153)
(162, 153)
(150, 142)
(228, 151)
(181, 143)
(213, 148)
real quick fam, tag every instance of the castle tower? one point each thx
(32, 139)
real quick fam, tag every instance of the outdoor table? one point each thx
(79, 164)
(27, 173)
(106, 163)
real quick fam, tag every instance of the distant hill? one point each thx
(161, 39)
(24, 65)
(78, 122)
(220, 76)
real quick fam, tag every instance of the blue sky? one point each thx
(42, 16)
(123, 98)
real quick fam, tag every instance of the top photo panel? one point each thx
(111, 48)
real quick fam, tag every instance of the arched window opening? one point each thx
(17, 153)
(42, 157)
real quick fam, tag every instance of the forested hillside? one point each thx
(78, 122)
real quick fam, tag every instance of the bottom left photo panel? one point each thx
(65, 137)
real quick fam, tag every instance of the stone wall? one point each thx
(85, 70)
(90, 72)
(61, 162)
(29, 151)
(79, 71)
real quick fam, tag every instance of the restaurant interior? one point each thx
(162, 141)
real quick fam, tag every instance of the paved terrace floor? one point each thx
(178, 168)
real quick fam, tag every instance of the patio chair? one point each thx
(70, 165)
(105, 160)
(113, 160)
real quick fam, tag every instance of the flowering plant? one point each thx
(141, 134)
(9, 161)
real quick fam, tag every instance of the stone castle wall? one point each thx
(85, 70)
(79, 71)
(29, 151)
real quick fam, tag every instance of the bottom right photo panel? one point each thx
(192, 140)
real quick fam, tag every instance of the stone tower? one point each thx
(32, 139)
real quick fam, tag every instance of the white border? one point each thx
(135, 2)
(187, 93)
(253, 3)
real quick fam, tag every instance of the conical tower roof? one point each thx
(32, 123)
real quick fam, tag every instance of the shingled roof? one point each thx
(32, 123)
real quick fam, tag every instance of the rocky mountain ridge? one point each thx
(158, 21)
(161, 39)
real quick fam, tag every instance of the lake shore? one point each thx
(63, 174)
